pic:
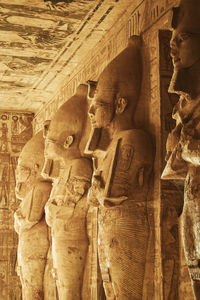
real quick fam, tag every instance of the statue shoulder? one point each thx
(135, 134)
(139, 140)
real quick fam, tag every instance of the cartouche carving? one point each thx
(30, 223)
(121, 175)
(67, 207)
(183, 145)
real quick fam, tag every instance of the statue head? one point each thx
(64, 133)
(118, 87)
(185, 44)
(29, 165)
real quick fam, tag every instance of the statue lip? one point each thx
(174, 56)
(175, 59)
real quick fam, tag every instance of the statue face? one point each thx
(101, 114)
(54, 157)
(58, 152)
(185, 48)
(29, 165)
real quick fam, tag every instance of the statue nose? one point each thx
(174, 43)
(91, 112)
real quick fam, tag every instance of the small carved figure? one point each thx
(4, 184)
(22, 131)
(4, 138)
(183, 155)
(30, 223)
(15, 125)
(26, 133)
(67, 208)
(121, 176)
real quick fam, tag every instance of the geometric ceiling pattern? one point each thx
(34, 35)
(41, 43)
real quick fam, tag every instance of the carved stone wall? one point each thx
(15, 131)
(164, 267)
(166, 275)
(139, 17)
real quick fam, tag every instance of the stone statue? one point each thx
(183, 144)
(120, 181)
(30, 223)
(66, 209)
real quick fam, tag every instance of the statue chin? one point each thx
(185, 81)
(180, 82)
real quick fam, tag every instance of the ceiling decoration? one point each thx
(32, 34)
(57, 3)
(42, 42)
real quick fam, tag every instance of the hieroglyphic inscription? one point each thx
(15, 131)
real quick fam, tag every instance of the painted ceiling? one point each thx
(41, 42)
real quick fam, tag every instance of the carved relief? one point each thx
(30, 223)
(21, 130)
(3, 279)
(67, 208)
(122, 168)
(183, 141)
(4, 138)
(8, 201)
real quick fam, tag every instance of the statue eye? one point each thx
(184, 36)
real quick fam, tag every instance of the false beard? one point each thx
(186, 82)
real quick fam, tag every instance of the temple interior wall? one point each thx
(16, 130)
(166, 274)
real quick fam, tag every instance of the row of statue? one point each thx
(183, 144)
(83, 222)
(74, 177)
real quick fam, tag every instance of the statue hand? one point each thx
(190, 145)
(92, 197)
(49, 213)
(95, 191)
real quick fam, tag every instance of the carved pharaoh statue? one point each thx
(121, 175)
(67, 207)
(183, 144)
(30, 224)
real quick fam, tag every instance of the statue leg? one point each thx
(69, 258)
(92, 282)
(32, 252)
(50, 292)
(32, 274)
(123, 236)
